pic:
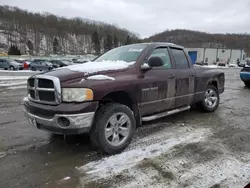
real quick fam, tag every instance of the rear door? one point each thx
(158, 85)
(38, 65)
(44, 65)
(35, 64)
(185, 78)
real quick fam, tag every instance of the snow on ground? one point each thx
(93, 67)
(9, 83)
(117, 163)
(15, 71)
(13, 82)
(184, 158)
(100, 77)
(18, 87)
(218, 67)
(13, 78)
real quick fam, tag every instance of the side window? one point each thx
(180, 59)
(163, 53)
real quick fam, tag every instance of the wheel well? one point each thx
(122, 98)
(214, 83)
(119, 97)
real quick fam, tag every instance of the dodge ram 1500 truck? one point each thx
(110, 96)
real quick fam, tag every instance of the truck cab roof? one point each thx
(162, 44)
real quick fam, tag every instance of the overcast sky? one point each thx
(147, 17)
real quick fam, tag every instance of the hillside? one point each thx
(197, 39)
(45, 33)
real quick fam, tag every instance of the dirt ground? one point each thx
(190, 149)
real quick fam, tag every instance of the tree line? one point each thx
(45, 33)
(196, 39)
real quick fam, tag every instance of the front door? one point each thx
(158, 86)
(185, 78)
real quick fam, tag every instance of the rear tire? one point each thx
(113, 128)
(211, 99)
(33, 68)
(247, 83)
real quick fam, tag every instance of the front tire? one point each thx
(211, 99)
(113, 128)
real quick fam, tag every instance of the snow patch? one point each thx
(17, 71)
(17, 87)
(115, 164)
(66, 178)
(2, 154)
(93, 67)
(212, 66)
(100, 77)
(172, 162)
(13, 78)
(6, 84)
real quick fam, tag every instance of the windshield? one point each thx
(127, 53)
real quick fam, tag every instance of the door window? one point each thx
(180, 59)
(5, 62)
(43, 63)
(163, 53)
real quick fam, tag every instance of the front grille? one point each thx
(44, 83)
(46, 96)
(31, 82)
(32, 93)
(44, 89)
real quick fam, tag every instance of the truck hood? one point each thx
(92, 70)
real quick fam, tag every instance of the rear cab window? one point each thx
(181, 61)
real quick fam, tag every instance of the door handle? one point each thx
(171, 76)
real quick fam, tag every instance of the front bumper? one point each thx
(77, 123)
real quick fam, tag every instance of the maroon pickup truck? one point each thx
(110, 96)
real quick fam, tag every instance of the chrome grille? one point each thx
(44, 89)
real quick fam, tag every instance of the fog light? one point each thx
(63, 122)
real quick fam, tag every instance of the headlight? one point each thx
(77, 94)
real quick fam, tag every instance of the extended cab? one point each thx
(109, 97)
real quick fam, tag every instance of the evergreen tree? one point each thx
(13, 50)
(108, 45)
(31, 47)
(55, 46)
(96, 42)
(128, 40)
(115, 41)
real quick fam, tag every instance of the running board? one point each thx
(164, 114)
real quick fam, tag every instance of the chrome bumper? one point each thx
(79, 123)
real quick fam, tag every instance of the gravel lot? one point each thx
(190, 149)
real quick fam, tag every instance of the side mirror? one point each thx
(155, 61)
